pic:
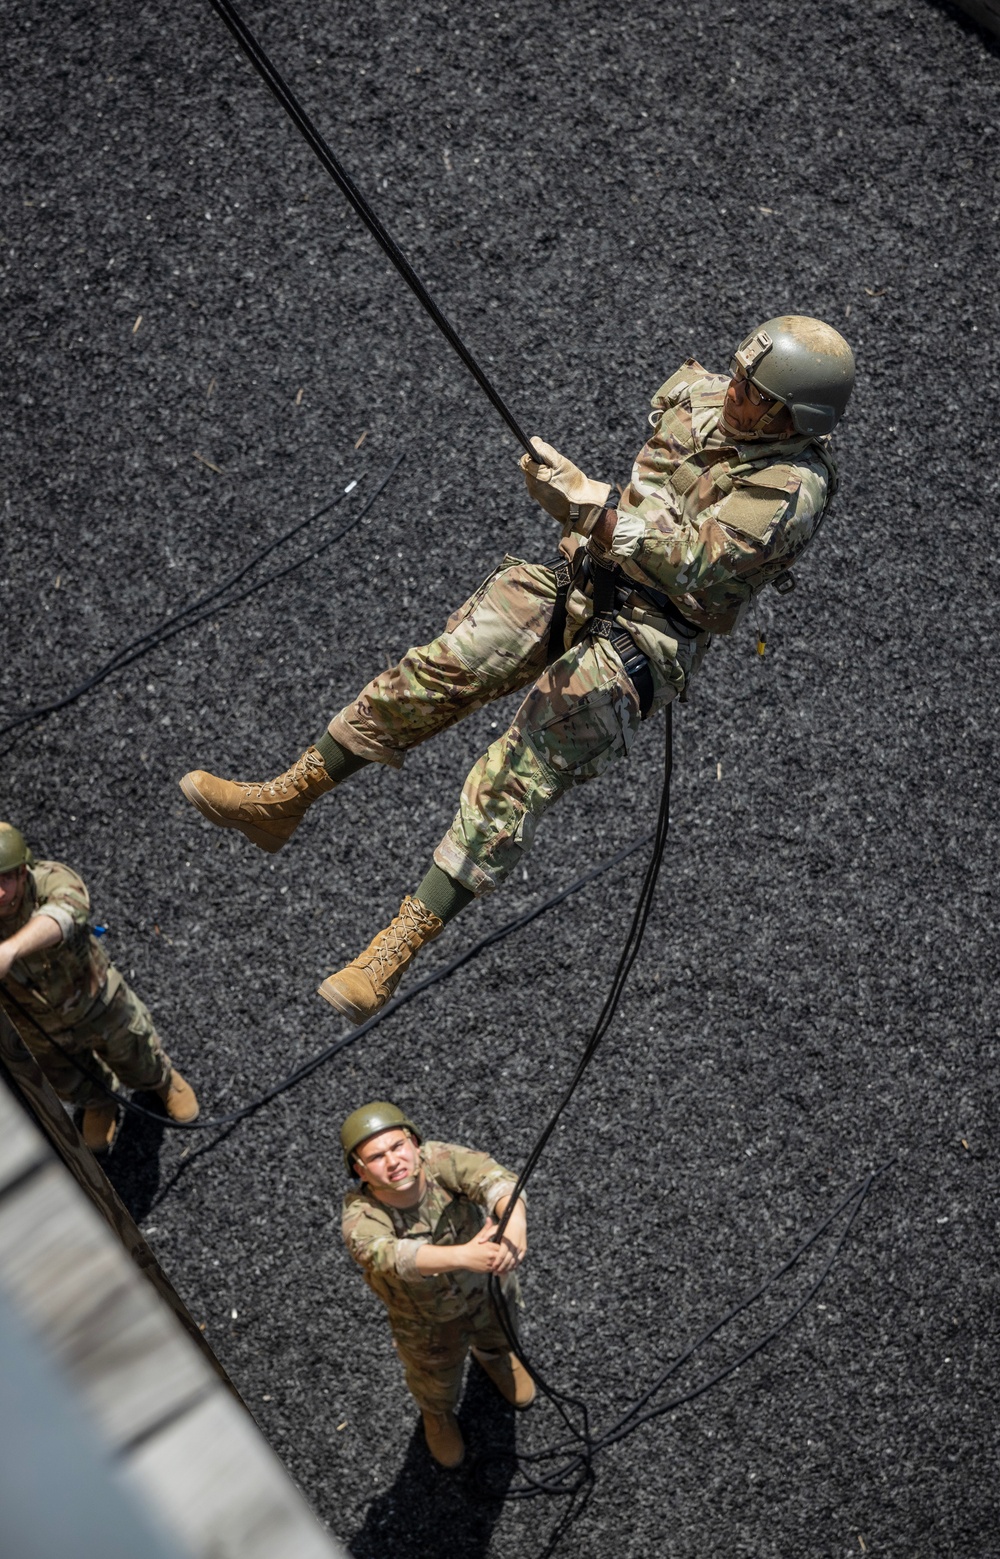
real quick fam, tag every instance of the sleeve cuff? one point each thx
(628, 534)
(496, 1193)
(584, 516)
(406, 1259)
(62, 917)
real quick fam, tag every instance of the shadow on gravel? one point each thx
(428, 1511)
(134, 1165)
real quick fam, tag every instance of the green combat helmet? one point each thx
(367, 1122)
(14, 850)
(803, 363)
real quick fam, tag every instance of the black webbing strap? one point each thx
(557, 628)
(605, 582)
(634, 662)
(606, 591)
(603, 626)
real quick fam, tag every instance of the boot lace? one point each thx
(403, 935)
(291, 779)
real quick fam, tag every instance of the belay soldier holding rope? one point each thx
(420, 1226)
(730, 488)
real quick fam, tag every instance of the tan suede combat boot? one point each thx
(509, 1376)
(99, 1126)
(365, 985)
(267, 811)
(179, 1097)
(444, 1438)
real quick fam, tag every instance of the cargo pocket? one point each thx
(581, 741)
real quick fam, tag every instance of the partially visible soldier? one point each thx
(420, 1225)
(53, 968)
(730, 488)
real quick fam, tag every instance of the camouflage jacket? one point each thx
(461, 1186)
(59, 985)
(709, 521)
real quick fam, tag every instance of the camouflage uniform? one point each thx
(705, 522)
(434, 1320)
(76, 995)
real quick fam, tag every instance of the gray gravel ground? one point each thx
(592, 193)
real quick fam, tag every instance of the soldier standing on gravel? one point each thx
(724, 497)
(420, 1226)
(55, 970)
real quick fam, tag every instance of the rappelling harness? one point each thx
(610, 589)
(613, 591)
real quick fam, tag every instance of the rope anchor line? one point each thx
(313, 1064)
(283, 93)
(207, 605)
(574, 1457)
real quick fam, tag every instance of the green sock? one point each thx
(442, 895)
(338, 761)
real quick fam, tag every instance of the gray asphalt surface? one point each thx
(203, 346)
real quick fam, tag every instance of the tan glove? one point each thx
(562, 489)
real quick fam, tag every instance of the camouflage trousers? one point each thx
(433, 1354)
(579, 716)
(116, 1039)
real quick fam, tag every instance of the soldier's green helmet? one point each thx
(14, 850)
(802, 362)
(367, 1122)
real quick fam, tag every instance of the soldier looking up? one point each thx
(724, 497)
(57, 971)
(420, 1227)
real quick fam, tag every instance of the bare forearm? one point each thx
(519, 1214)
(480, 1254)
(432, 1260)
(41, 932)
(515, 1237)
(604, 530)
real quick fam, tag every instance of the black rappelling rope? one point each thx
(626, 959)
(576, 1454)
(206, 605)
(268, 73)
(315, 1062)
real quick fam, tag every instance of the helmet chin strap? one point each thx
(760, 429)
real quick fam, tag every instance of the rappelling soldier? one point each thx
(420, 1223)
(730, 488)
(67, 1000)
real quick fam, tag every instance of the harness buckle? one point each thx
(784, 582)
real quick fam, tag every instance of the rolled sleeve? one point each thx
(368, 1235)
(627, 535)
(406, 1259)
(496, 1193)
(62, 895)
(64, 918)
